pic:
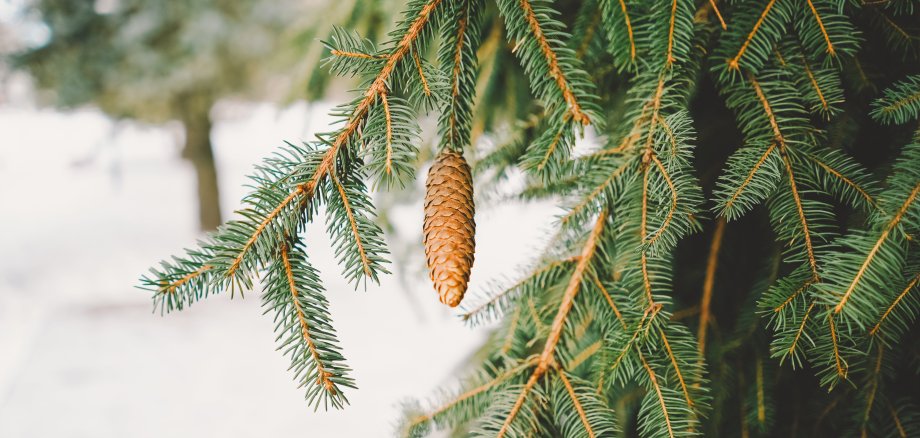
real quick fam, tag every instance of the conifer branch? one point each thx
(795, 294)
(843, 178)
(547, 356)
(389, 137)
(781, 142)
(283, 203)
(643, 258)
(458, 57)
(654, 379)
(574, 285)
(627, 346)
(575, 111)
(323, 377)
(669, 57)
(801, 329)
(470, 393)
(629, 30)
(519, 402)
(347, 54)
(806, 234)
(455, 77)
(353, 223)
(841, 372)
(421, 73)
(552, 147)
(733, 63)
(378, 86)
(170, 288)
(910, 286)
(680, 375)
(900, 103)
(588, 200)
(768, 110)
(897, 420)
(830, 47)
(820, 86)
(300, 190)
(875, 249)
(814, 83)
(715, 8)
(495, 300)
(708, 283)
(672, 139)
(292, 291)
(655, 105)
(750, 176)
(182, 281)
(873, 389)
(609, 299)
(673, 206)
(578, 406)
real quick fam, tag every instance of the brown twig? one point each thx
(547, 356)
(709, 282)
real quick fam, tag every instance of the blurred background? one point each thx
(126, 130)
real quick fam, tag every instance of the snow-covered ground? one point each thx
(87, 206)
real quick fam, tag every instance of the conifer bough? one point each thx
(449, 226)
(806, 113)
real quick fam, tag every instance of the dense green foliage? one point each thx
(755, 177)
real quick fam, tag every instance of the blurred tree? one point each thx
(161, 61)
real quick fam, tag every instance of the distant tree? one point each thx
(161, 61)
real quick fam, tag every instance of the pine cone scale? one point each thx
(449, 226)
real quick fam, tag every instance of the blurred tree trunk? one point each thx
(195, 111)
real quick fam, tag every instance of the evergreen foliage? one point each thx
(750, 179)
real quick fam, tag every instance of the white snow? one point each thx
(86, 206)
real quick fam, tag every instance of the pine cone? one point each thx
(449, 226)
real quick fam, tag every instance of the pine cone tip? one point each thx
(452, 295)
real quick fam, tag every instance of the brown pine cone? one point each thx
(449, 226)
